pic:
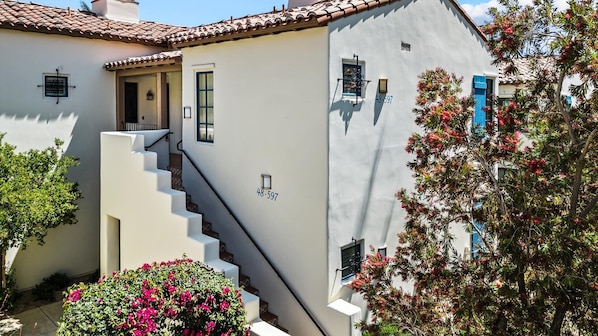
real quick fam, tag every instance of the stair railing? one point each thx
(155, 142)
(253, 241)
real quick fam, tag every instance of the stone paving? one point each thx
(40, 321)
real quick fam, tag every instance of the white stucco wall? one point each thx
(32, 121)
(367, 157)
(270, 97)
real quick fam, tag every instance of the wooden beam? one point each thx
(162, 100)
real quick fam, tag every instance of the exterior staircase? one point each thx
(175, 168)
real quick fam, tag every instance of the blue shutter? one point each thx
(476, 240)
(479, 92)
(569, 100)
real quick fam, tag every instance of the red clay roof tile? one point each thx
(318, 14)
(166, 57)
(51, 20)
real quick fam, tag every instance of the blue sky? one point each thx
(196, 12)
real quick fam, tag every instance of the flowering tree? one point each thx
(525, 183)
(35, 195)
(178, 297)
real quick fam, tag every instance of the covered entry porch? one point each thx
(148, 94)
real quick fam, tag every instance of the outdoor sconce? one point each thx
(266, 181)
(382, 85)
(149, 95)
(187, 112)
(382, 251)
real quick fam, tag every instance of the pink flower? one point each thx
(75, 296)
(224, 306)
(210, 326)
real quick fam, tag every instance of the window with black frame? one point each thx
(352, 79)
(205, 106)
(351, 259)
(56, 86)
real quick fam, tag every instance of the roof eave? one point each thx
(81, 33)
(144, 64)
(261, 31)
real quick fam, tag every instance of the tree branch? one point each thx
(562, 110)
(577, 178)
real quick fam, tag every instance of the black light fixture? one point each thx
(266, 182)
(149, 95)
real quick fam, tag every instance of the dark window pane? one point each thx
(352, 79)
(56, 86)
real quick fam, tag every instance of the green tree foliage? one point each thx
(179, 297)
(536, 270)
(35, 194)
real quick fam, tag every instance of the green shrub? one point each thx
(45, 289)
(178, 297)
(9, 294)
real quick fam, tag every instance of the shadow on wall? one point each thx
(380, 11)
(38, 131)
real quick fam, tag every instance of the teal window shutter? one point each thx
(479, 92)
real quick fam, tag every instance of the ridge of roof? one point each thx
(32, 17)
(317, 14)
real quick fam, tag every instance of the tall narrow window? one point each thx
(351, 259)
(352, 79)
(205, 106)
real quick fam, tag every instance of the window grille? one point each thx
(56, 86)
(351, 259)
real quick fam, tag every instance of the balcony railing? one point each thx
(140, 127)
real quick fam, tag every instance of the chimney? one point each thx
(301, 3)
(118, 10)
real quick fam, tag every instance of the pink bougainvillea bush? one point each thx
(179, 297)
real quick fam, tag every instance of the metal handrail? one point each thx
(155, 142)
(280, 276)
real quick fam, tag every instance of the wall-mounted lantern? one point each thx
(266, 181)
(187, 112)
(149, 95)
(383, 85)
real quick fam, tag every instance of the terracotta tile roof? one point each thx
(318, 14)
(163, 58)
(525, 69)
(51, 20)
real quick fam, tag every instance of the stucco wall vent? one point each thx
(118, 10)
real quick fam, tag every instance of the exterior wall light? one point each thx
(187, 112)
(266, 181)
(149, 95)
(383, 85)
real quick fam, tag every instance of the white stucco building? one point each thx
(316, 99)
(53, 85)
(292, 126)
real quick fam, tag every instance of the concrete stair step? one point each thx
(264, 322)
